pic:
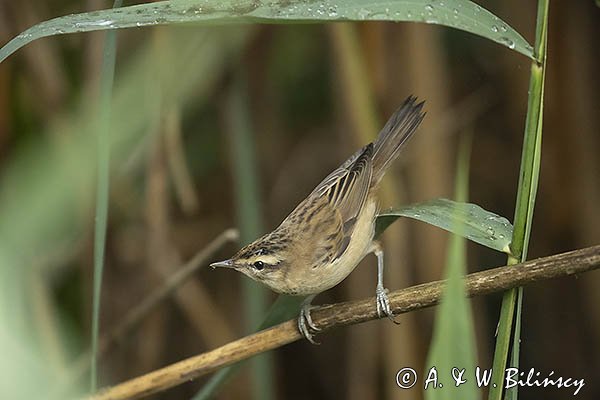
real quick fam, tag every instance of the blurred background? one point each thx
(232, 127)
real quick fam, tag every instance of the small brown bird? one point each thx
(331, 231)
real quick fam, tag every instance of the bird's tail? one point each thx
(396, 132)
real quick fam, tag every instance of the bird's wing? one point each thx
(344, 192)
(347, 187)
(339, 172)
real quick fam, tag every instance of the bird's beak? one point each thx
(224, 264)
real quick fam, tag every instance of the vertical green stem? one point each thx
(528, 184)
(249, 211)
(102, 190)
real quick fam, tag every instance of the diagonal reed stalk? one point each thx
(528, 184)
(350, 313)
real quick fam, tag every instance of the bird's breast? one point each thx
(318, 278)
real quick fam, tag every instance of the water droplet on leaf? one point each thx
(508, 42)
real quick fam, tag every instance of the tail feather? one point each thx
(396, 132)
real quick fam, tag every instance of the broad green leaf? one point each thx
(480, 226)
(460, 14)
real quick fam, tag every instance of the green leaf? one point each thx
(512, 393)
(248, 206)
(459, 14)
(480, 226)
(102, 191)
(453, 350)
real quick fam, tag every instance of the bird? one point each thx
(326, 236)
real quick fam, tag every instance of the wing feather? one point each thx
(346, 190)
(347, 187)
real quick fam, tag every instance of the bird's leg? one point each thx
(383, 303)
(305, 322)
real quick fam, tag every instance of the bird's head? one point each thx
(264, 260)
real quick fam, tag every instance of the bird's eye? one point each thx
(259, 265)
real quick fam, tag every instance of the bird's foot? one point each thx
(306, 324)
(383, 304)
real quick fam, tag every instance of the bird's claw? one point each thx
(306, 324)
(383, 304)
